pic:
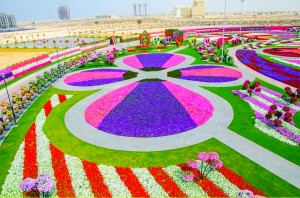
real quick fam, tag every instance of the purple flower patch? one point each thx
(158, 60)
(149, 109)
(95, 77)
(212, 74)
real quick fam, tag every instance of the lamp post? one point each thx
(223, 31)
(58, 65)
(3, 76)
(242, 1)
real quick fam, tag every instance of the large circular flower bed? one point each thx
(95, 77)
(289, 52)
(149, 109)
(163, 60)
(212, 74)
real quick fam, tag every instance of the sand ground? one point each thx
(12, 56)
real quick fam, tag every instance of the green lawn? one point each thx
(243, 123)
(262, 179)
(192, 52)
(59, 136)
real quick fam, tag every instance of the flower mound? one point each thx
(289, 52)
(212, 74)
(149, 109)
(95, 77)
(162, 60)
(279, 72)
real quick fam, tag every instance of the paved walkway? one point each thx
(223, 114)
(216, 127)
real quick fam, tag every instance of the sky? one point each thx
(36, 10)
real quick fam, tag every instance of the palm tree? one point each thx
(139, 21)
(54, 42)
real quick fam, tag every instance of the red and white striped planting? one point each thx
(75, 177)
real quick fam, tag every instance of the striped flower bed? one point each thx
(277, 71)
(289, 61)
(260, 103)
(75, 177)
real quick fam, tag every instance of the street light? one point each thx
(3, 76)
(242, 1)
(223, 31)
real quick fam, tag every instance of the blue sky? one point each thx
(34, 10)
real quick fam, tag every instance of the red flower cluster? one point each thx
(251, 88)
(63, 184)
(132, 182)
(166, 182)
(239, 181)
(96, 180)
(48, 108)
(30, 154)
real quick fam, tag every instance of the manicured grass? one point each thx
(60, 137)
(297, 119)
(151, 69)
(130, 75)
(174, 74)
(191, 52)
(243, 123)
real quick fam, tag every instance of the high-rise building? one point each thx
(134, 10)
(7, 21)
(198, 9)
(182, 12)
(64, 12)
(145, 9)
(140, 9)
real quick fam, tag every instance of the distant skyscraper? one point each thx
(182, 12)
(145, 9)
(198, 9)
(134, 10)
(64, 12)
(7, 21)
(140, 9)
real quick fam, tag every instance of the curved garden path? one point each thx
(216, 127)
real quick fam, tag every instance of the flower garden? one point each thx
(228, 131)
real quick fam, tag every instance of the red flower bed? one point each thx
(132, 182)
(62, 98)
(141, 46)
(131, 50)
(30, 156)
(166, 182)
(96, 180)
(143, 51)
(239, 181)
(289, 52)
(48, 108)
(208, 186)
(161, 47)
(63, 184)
